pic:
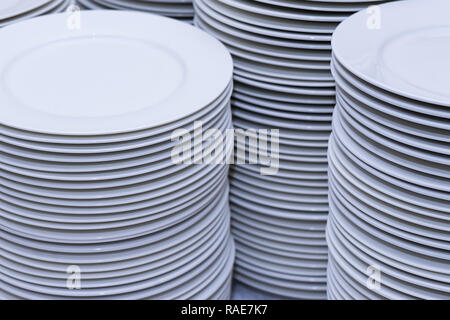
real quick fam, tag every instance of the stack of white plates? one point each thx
(178, 9)
(389, 155)
(87, 179)
(12, 11)
(282, 54)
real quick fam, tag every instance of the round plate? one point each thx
(183, 70)
(421, 36)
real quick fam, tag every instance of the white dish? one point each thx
(285, 13)
(427, 24)
(388, 97)
(232, 38)
(181, 60)
(258, 25)
(117, 138)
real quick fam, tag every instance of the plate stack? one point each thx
(282, 54)
(389, 155)
(178, 9)
(12, 11)
(90, 190)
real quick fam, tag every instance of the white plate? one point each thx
(202, 17)
(272, 194)
(115, 205)
(284, 180)
(42, 269)
(410, 115)
(213, 118)
(281, 114)
(397, 153)
(248, 220)
(101, 231)
(402, 197)
(232, 38)
(181, 69)
(272, 272)
(391, 261)
(268, 22)
(410, 279)
(126, 152)
(152, 206)
(109, 252)
(136, 262)
(390, 98)
(307, 213)
(422, 34)
(395, 283)
(278, 252)
(406, 221)
(281, 81)
(179, 9)
(272, 27)
(282, 288)
(279, 238)
(277, 246)
(275, 96)
(285, 189)
(419, 243)
(344, 6)
(101, 221)
(383, 119)
(281, 123)
(428, 187)
(124, 137)
(307, 91)
(397, 141)
(182, 277)
(395, 248)
(151, 274)
(285, 13)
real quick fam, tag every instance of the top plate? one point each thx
(409, 57)
(113, 75)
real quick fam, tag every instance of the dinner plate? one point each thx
(109, 197)
(421, 284)
(282, 80)
(46, 117)
(411, 224)
(136, 291)
(393, 99)
(133, 263)
(123, 137)
(408, 200)
(228, 15)
(232, 38)
(158, 141)
(428, 23)
(345, 6)
(92, 233)
(178, 9)
(396, 284)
